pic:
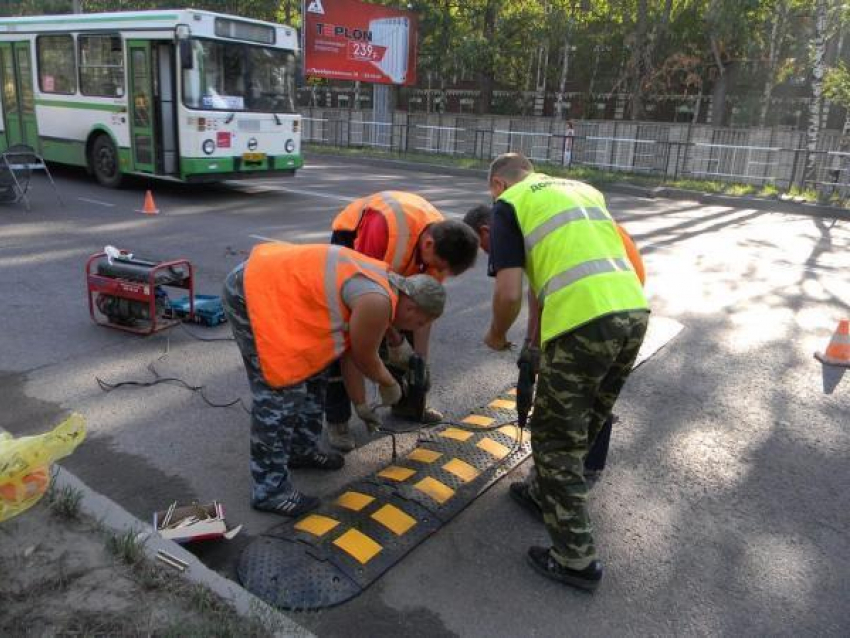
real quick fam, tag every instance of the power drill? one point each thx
(414, 384)
(525, 387)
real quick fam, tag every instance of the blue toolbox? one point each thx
(208, 309)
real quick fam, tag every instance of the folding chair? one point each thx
(16, 165)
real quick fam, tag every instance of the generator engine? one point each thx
(130, 293)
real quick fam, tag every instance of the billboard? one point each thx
(350, 40)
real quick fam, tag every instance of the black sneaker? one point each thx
(520, 492)
(293, 505)
(317, 461)
(587, 579)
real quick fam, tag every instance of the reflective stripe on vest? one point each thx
(294, 299)
(575, 259)
(407, 216)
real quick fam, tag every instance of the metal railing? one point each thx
(716, 155)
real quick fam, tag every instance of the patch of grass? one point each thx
(65, 502)
(126, 546)
(218, 619)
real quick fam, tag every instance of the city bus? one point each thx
(180, 94)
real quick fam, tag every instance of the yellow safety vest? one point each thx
(574, 258)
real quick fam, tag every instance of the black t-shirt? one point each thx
(507, 245)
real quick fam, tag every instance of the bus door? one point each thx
(165, 93)
(17, 95)
(142, 107)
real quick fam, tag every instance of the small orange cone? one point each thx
(838, 351)
(149, 207)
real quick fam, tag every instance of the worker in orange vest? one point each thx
(409, 234)
(295, 310)
(478, 218)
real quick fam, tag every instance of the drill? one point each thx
(525, 386)
(415, 385)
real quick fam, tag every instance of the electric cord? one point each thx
(198, 337)
(158, 379)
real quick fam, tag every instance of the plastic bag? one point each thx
(25, 464)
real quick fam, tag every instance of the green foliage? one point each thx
(836, 85)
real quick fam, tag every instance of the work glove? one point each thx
(530, 353)
(369, 416)
(390, 394)
(399, 356)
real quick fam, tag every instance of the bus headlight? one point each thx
(208, 147)
(289, 146)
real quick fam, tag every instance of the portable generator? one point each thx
(130, 293)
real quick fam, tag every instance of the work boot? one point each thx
(339, 436)
(521, 493)
(294, 505)
(430, 416)
(317, 461)
(588, 579)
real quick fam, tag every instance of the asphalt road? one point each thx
(725, 506)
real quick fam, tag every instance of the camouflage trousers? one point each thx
(284, 421)
(581, 375)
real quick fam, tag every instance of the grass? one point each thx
(126, 546)
(64, 502)
(588, 174)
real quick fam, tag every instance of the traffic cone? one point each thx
(149, 207)
(838, 351)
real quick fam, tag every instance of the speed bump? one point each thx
(334, 553)
(331, 555)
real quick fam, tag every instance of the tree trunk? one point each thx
(639, 45)
(818, 70)
(562, 86)
(718, 93)
(486, 72)
(777, 36)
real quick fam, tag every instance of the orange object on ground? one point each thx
(633, 254)
(838, 351)
(149, 207)
(294, 298)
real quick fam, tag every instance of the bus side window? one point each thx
(57, 72)
(101, 65)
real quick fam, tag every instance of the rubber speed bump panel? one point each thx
(332, 554)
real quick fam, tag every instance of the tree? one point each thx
(818, 70)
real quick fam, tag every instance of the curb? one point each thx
(624, 188)
(114, 517)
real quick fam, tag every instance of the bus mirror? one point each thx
(185, 48)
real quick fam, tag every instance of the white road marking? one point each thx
(341, 198)
(95, 201)
(261, 238)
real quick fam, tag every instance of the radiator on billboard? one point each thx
(351, 40)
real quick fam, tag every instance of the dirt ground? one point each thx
(61, 574)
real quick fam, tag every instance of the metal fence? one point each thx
(667, 151)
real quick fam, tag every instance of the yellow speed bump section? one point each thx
(394, 519)
(456, 434)
(493, 448)
(509, 430)
(422, 455)
(478, 419)
(396, 473)
(440, 492)
(461, 469)
(357, 545)
(354, 501)
(512, 392)
(503, 404)
(316, 525)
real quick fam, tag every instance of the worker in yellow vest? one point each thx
(295, 310)
(593, 318)
(408, 233)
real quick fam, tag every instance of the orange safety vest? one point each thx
(407, 217)
(294, 299)
(633, 254)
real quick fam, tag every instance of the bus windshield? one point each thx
(229, 76)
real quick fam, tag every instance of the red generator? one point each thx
(130, 293)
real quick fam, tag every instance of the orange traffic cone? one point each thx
(838, 351)
(149, 207)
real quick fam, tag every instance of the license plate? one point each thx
(253, 157)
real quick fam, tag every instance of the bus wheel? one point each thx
(104, 163)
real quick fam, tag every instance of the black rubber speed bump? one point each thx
(332, 554)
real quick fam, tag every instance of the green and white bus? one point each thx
(187, 95)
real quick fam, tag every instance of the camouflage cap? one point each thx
(425, 291)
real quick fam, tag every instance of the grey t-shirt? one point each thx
(360, 285)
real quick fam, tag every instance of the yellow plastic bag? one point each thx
(25, 464)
